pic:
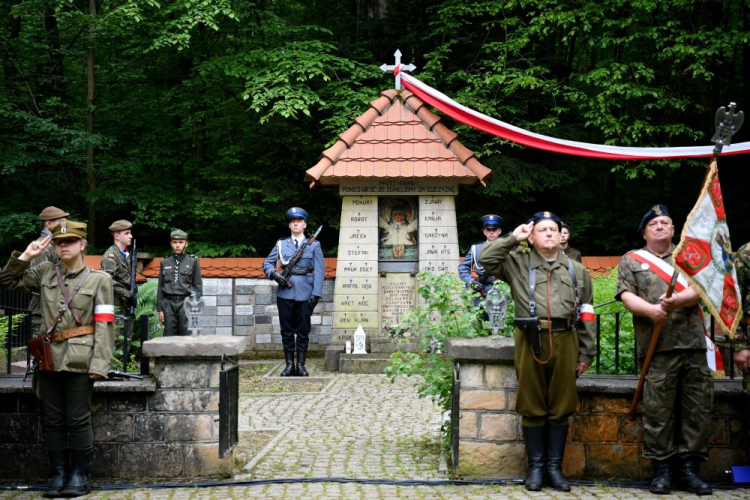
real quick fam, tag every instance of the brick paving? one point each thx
(359, 426)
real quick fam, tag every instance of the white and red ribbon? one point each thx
(104, 313)
(509, 132)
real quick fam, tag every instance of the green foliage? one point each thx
(17, 320)
(605, 287)
(146, 305)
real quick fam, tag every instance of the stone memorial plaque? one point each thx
(210, 286)
(209, 301)
(359, 219)
(439, 266)
(435, 235)
(357, 268)
(224, 287)
(358, 235)
(353, 319)
(393, 187)
(359, 203)
(430, 203)
(358, 252)
(398, 295)
(437, 218)
(243, 310)
(447, 252)
(355, 286)
(354, 302)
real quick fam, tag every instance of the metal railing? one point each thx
(15, 320)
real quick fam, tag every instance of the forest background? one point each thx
(205, 114)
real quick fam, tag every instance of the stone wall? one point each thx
(603, 442)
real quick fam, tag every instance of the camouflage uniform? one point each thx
(679, 381)
(117, 265)
(742, 337)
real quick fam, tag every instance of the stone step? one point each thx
(389, 346)
(363, 363)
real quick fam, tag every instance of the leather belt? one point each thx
(72, 332)
(297, 271)
(558, 324)
(170, 296)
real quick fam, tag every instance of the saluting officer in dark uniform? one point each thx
(179, 276)
(296, 303)
(116, 262)
(484, 281)
(547, 287)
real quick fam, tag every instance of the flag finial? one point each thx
(728, 123)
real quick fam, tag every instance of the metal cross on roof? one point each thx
(391, 67)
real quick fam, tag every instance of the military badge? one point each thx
(657, 210)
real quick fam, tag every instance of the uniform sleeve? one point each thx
(320, 270)
(587, 325)
(493, 254)
(625, 279)
(269, 265)
(197, 278)
(104, 327)
(742, 338)
(109, 266)
(464, 268)
(160, 287)
(19, 275)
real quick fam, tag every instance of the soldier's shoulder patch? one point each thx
(111, 255)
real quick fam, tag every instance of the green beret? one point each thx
(178, 234)
(120, 225)
(52, 213)
(69, 229)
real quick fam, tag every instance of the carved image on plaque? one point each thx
(398, 225)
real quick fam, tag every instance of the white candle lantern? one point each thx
(359, 341)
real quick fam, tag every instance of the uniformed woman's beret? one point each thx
(296, 213)
(52, 213)
(178, 234)
(120, 225)
(540, 216)
(69, 229)
(491, 220)
(656, 211)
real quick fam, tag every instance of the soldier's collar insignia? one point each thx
(657, 210)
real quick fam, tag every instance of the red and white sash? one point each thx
(665, 271)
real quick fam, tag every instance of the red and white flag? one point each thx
(705, 256)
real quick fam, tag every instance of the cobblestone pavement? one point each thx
(359, 426)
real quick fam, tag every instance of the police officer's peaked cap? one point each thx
(178, 234)
(491, 220)
(540, 216)
(296, 213)
(69, 229)
(656, 211)
(120, 225)
(52, 213)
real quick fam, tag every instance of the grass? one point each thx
(251, 381)
(249, 445)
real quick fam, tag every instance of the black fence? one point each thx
(15, 322)
(229, 391)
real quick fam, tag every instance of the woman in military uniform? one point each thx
(78, 315)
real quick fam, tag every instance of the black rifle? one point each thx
(124, 375)
(130, 321)
(484, 280)
(297, 256)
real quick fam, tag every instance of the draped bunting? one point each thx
(509, 132)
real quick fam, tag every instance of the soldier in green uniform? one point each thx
(568, 250)
(179, 276)
(554, 338)
(78, 314)
(678, 390)
(742, 339)
(116, 262)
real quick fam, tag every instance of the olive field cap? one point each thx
(178, 234)
(120, 225)
(540, 216)
(69, 229)
(52, 213)
(491, 220)
(296, 213)
(565, 226)
(656, 211)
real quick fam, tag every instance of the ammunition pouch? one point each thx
(532, 330)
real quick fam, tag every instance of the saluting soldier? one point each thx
(742, 340)
(296, 297)
(554, 338)
(484, 281)
(50, 217)
(116, 262)
(568, 250)
(679, 381)
(179, 276)
(78, 314)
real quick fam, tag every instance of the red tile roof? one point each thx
(600, 265)
(398, 136)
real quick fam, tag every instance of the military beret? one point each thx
(296, 213)
(540, 216)
(52, 213)
(69, 229)
(120, 225)
(492, 220)
(656, 211)
(178, 234)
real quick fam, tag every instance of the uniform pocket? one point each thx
(84, 300)
(186, 275)
(80, 351)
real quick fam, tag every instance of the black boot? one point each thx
(301, 370)
(662, 482)
(535, 453)
(289, 370)
(690, 480)
(78, 483)
(58, 473)
(557, 435)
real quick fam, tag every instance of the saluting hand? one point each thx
(522, 232)
(35, 249)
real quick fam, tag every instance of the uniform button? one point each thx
(62, 301)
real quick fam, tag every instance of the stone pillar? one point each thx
(179, 433)
(486, 429)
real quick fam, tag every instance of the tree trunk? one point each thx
(90, 96)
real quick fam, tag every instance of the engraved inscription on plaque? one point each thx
(353, 319)
(358, 252)
(358, 235)
(446, 251)
(426, 186)
(359, 203)
(357, 268)
(439, 266)
(355, 286)
(356, 303)
(446, 203)
(358, 219)
(398, 295)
